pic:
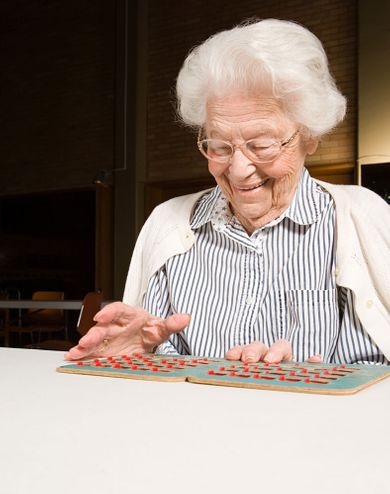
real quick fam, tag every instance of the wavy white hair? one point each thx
(268, 55)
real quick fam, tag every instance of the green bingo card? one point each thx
(283, 376)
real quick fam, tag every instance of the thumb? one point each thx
(159, 330)
(177, 322)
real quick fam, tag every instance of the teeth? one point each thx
(251, 188)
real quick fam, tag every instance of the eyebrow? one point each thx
(217, 131)
(253, 133)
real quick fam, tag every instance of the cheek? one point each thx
(215, 169)
(284, 166)
(219, 174)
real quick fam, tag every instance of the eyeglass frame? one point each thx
(243, 147)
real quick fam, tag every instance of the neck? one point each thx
(252, 224)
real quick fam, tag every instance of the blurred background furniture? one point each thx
(9, 317)
(4, 321)
(38, 320)
(90, 306)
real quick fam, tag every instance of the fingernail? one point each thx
(249, 357)
(96, 316)
(270, 357)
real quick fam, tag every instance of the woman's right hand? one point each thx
(124, 330)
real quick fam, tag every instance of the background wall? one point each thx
(374, 82)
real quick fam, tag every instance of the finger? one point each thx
(76, 353)
(88, 343)
(157, 330)
(234, 353)
(117, 311)
(254, 352)
(280, 350)
(95, 336)
(316, 359)
(177, 322)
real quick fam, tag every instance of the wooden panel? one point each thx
(157, 192)
(341, 173)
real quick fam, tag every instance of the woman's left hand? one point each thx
(258, 351)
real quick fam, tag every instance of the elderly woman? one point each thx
(270, 264)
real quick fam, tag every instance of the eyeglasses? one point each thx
(259, 150)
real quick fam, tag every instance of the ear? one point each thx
(312, 145)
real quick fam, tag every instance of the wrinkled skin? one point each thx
(127, 330)
(257, 193)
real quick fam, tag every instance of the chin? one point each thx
(252, 209)
(250, 215)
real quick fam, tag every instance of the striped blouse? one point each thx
(277, 283)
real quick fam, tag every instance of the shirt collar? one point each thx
(307, 204)
(205, 207)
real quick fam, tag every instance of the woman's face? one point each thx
(257, 192)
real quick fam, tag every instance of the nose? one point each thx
(240, 165)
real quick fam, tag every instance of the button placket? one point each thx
(253, 297)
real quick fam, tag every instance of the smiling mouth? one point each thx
(253, 187)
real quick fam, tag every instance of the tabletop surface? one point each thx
(62, 433)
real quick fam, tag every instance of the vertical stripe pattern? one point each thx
(277, 283)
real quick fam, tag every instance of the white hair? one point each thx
(269, 55)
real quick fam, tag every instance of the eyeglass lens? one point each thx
(257, 149)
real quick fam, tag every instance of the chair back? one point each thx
(91, 305)
(47, 315)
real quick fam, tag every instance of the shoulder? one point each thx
(355, 196)
(171, 217)
(361, 215)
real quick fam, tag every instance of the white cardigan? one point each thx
(362, 251)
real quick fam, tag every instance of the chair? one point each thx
(91, 305)
(47, 320)
(41, 320)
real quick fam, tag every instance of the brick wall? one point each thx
(175, 26)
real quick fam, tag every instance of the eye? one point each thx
(259, 144)
(262, 147)
(216, 147)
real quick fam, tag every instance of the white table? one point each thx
(62, 433)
